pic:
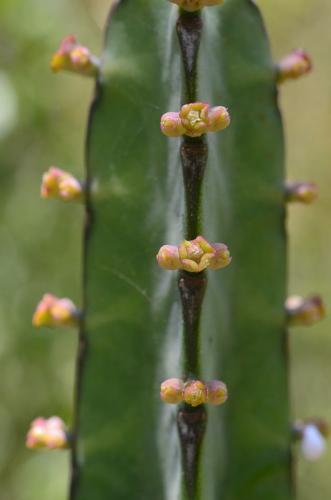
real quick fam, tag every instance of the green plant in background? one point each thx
(142, 326)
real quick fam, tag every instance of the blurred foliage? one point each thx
(42, 122)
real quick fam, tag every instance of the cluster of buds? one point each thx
(302, 192)
(194, 5)
(71, 56)
(52, 311)
(57, 183)
(194, 120)
(304, 311)
(48, 433)
(311, 434)
(193, 392)
(294, 65)
(194, 256)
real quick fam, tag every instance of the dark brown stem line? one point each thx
(194, 154)
(189, 29)
(192, 289)
(191, 422)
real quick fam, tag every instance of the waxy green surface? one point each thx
(127, 444)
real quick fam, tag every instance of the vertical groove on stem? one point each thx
(82, 339)
(191, 422)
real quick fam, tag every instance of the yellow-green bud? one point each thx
(195, 392)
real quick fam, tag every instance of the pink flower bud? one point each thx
(219, 119)
(47, 433)
(168, 257)
(217, 392)
(171, 125)
(71, 56)
(221, 257)
(57, 183)
(294, 65)
(52, 311)
(302, 192)
(172, 391)
(304, 311)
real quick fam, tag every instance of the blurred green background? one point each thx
(42, 123)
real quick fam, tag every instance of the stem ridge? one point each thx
(191, 422)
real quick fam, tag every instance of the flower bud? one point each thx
(313, 443)
(172, 391)
(194, 120)
(71, 56)
(302, 192)
(194, 5)
(301, 311)
(221, 257)
(294, 65)
(52, 311)
(195, 392)
(219, 119)
(57, 183)
(217, 392)
(47, 433)
(194, 256)
(171, 125)
(168, 257)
